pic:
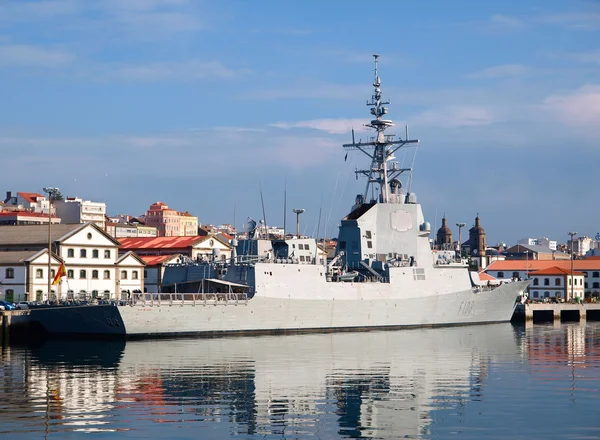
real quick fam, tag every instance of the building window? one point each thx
(94, 294)
(536, 282)
(596, 285)
(70, 253)
(9, 295)
(500, 274)
(83, 253)
(38, 295)
(70, 274)
(369, 244)
(82, 274)
(134, 275)
(52, 273)
(145, 273)
(95, 274)
(515, 275)
(95, 253)
(107, 254)
(546, 281)
(107, 274)
(535, 295)
(39, 273)
(596, 274)
(546, 294)
(123, 274)
(9, 273)
(557, 282)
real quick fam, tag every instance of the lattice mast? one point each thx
(380, 148)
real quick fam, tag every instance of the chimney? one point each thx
(8, 196)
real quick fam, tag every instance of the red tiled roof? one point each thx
(555, 270)
(24, 213)
(153, 260)
(533, 265)
(160, 242)
(30, 197)
(485, 277)
(594, 257)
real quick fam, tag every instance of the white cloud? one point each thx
(592, 57)
(185, 70)
(580, 108)
(332, 126)
(455, 116)
(505, 21)
(502, 71)
(26, 55)
(575, 20)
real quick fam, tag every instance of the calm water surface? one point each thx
(477, 382)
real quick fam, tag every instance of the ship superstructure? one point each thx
(384, 274)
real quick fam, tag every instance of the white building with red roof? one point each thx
(589, 267)
(23, 217)
(29, 201)
(556, 282)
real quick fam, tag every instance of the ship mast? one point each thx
(381, 147)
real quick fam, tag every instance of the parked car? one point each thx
(7, 305)
(23, 305)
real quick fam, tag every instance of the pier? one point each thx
(535, 312)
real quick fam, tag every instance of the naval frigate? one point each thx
(385, 273)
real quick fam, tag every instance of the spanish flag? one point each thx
(61, 273)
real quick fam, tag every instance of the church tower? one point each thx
(477, 243)
(444, 236)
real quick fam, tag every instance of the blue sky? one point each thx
(199, 104)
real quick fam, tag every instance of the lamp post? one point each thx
(51, 192)
(460, 226)
(572, 234)
(298, 212)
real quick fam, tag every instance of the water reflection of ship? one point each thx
(381, 384)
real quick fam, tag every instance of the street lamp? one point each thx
(460, 226)
(572, 234)
(51, 192)
(298, 212)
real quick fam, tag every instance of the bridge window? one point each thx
(342, 245)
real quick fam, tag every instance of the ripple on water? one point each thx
(468, 382)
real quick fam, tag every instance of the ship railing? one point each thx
(200, 298)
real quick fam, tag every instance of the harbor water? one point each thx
(490, 381)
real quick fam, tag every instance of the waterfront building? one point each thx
(33, 202)
(155, 270)
(534, 252)
(130, 230)
(23, 271)
(197, 248)
(75, 210)
(171, 223)
(581, 245)
(541, 241)
(91, 259)
(515, 269)
(556, 282)
(22, 217)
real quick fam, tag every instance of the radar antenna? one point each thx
(381, 147)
